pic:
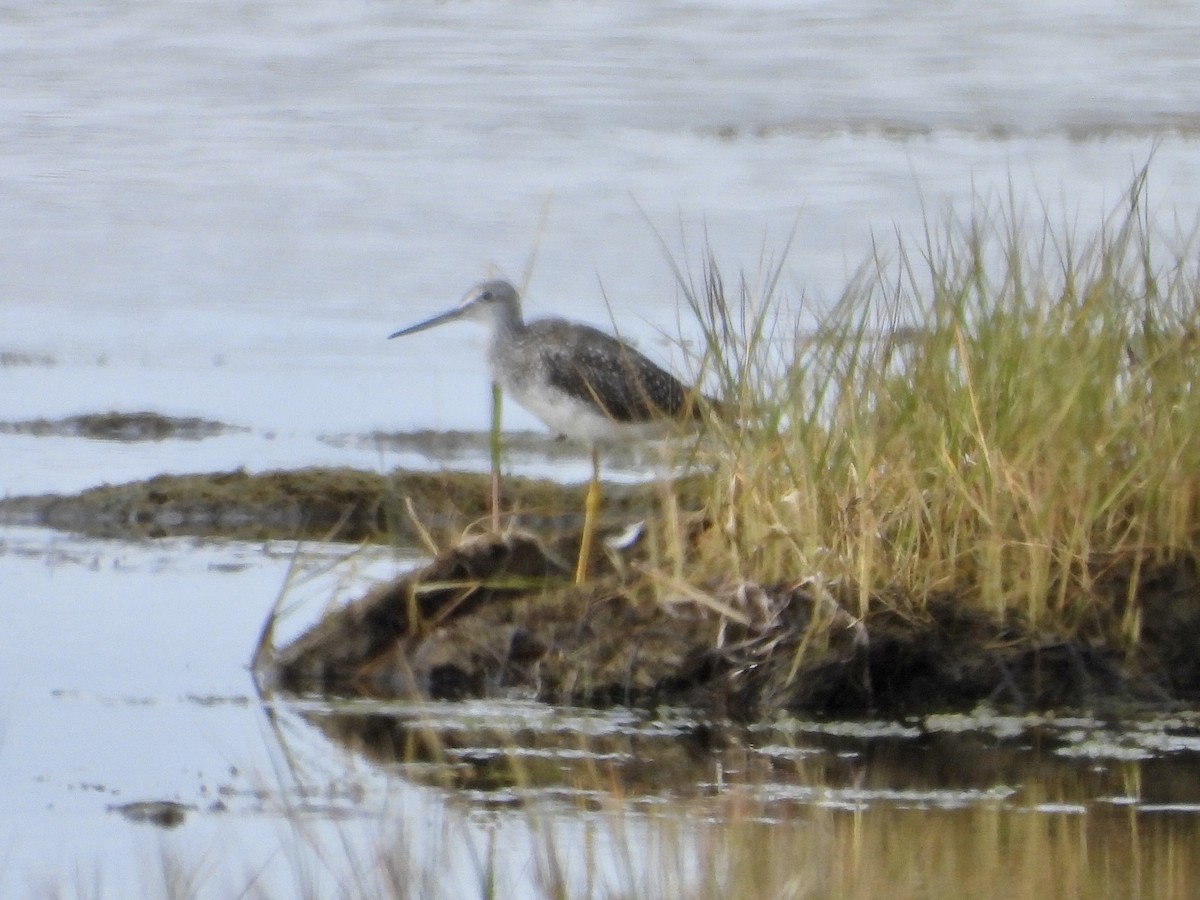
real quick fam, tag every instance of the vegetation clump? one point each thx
(974, 480)
(1006, 420)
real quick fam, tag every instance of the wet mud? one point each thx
(320, 504)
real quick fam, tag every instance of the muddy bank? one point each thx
(322, 504)
(498, 616)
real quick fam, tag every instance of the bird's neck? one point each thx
(506, 327)
(506, 322)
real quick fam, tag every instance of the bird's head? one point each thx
(491, 302)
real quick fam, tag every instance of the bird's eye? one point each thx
(486, 295)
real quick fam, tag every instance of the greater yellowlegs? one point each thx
(581, 382)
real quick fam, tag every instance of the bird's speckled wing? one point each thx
(589, 364)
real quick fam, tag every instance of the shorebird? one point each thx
(581, 382)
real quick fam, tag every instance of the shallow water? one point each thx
(125, 682)
(220, 210)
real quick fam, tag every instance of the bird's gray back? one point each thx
(587, 364)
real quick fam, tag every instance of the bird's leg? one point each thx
(591, 509)
(497, 405)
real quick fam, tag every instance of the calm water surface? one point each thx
(220, 209)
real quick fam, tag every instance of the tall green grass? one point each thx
(1004, 413)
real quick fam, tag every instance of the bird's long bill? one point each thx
(448, 316)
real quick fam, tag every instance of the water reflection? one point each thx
(530, 750)
(802, 808)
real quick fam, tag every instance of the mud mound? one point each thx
(498, 616)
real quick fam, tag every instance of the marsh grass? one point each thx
(1005, 414)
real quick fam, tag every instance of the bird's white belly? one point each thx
(579, 419)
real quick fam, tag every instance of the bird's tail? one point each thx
(704, 407)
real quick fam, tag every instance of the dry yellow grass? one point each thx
(1006, 414)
